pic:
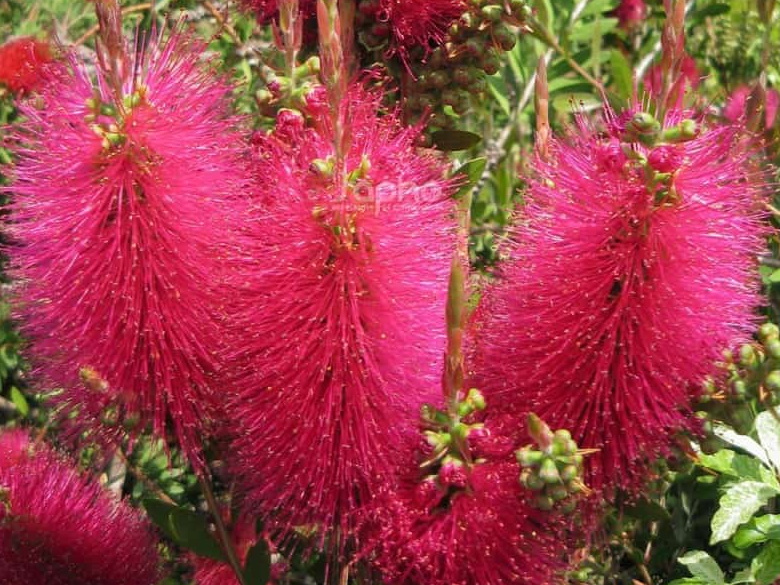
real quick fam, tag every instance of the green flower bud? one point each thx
(569, 473)
(768, 331)
(557, 492)
(747, 355)
(773, 348)
(772, 381)
(493, 13)
(544, 503)
(531, 481)
(549, 472)
(528, 457)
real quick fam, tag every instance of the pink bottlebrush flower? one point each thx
(628, 280)
(631, 14)
(120, 207)
(22, 64)
(59, 528)
(339, 330)
(412, 24)
(736, 108)
(485, 534)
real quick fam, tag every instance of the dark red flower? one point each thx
(631, 14)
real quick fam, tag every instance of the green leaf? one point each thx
(621, 74)
(737, 465)
(257, 570)
(19, 401)
(645, 509)
(454, 139)
(737, 506)
(766, 566)
(689, 581)
(744, 442)
(743, 576)
(759, 529)
(774, 276)
(185, 527)
(499, 96)
(192, 532)
(472, 170)
(159, 512)
(715, 9)
(703, 566)
(768, 429)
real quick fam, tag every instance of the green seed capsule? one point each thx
(747, 355)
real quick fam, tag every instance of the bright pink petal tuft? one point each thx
(119, 215)
(619, 299)
(340, 329)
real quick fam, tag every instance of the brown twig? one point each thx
(93, 31)
(223, 23)
(222, 532)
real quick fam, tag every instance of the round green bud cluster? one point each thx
(448, 434)
(553, 471)
(751, 375)
(441, 82)
(288, 90)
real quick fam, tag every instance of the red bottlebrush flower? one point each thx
(120, 206)
(486, 534)
(339, 339)
(629, 278)
(22, 62)
(736, 108)
(412, 24)
(631, 14)
(59, 528)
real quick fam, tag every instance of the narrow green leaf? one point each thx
(622, 77)
(454, 139)
(257, 570)
(472, 170)
(499, 96)
(644, 509)
(192, 532)
(703, 566)
(766, 566)
(19, 401)
(768, 429)
(774, 276)
(737, 505)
